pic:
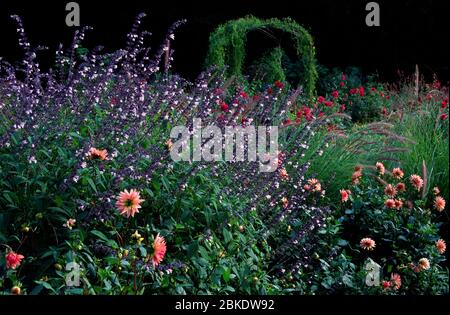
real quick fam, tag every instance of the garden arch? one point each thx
(227, 46)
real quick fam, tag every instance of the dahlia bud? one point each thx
(15, 290)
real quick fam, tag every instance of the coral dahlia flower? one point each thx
(356, 176)
(380, 167)
(284, 174)
(439, 203)
(129, 202)
(367, 244)
(390, 203)
(344, 195)
(97, 154)
(396, 281)
(441, 246)
(398, 204)
(401, 187)
(390, 190)
(416, 181)
(159, 250)
(397, 173)
(13, 260)
(424, 264)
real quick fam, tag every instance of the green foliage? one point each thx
(429, 135)
(269, 68)
(227, 47)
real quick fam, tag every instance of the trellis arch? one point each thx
(227, 46)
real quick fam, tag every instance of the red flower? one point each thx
(390, 203)
(335, 94)
(342, 84)
(444, 116)
(287, 121)
(269, 90)
(320, 99)
(224, 107)
(13, 260)
(114, 101)
(436, 85)
(256, 97)
(306, 111)
(278, 84)
(444, 104)
(320, 114)
(361, 91)
(373, 89)
(328, 103)
(345, 195)
(243, 95)
(353, 91)
(401, 187)
(344, 77)
(342, 108)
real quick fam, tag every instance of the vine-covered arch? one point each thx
(227, 46)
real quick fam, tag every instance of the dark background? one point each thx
(411, 31)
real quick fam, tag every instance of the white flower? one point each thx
(32, 160)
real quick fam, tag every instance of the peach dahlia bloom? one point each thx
(441, 246)
(416, 181)
(285, 202)
(424, 264)
(436, 191)
(397, 173)
(13, 260)
(439, 204)
(314, 184)
(70, 223)
(396, 281)
(390, 190)
(129, 202)
(356, 176)
(159, 250)
(380, 167)
(367, 244)
(97, 154)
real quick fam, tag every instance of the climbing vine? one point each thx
(227, 46)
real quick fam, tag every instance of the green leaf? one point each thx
(91, 183)
(100, 235)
